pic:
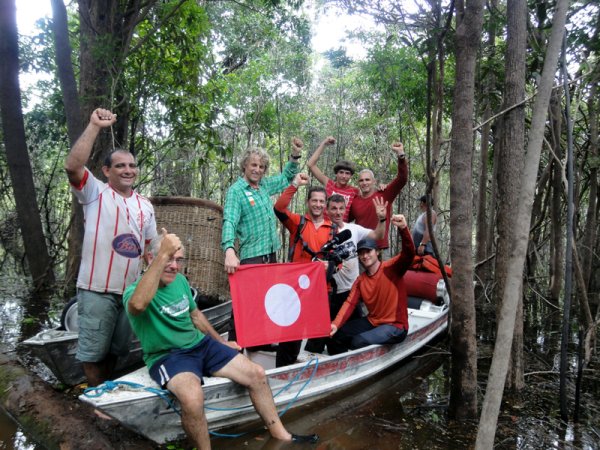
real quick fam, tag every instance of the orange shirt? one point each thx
(314, 237)
(383, 293)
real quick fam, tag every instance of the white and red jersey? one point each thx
(117, 230)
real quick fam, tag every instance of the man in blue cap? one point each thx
(381, 288)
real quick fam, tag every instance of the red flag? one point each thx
(279, 302)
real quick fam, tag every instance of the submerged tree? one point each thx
(512, 288)
(463, 391)
(17, 157)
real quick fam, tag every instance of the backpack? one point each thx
(429, 263)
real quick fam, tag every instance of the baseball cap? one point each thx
(366, 243)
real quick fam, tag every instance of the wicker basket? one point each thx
(198, 224)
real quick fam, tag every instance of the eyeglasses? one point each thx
(179, 261)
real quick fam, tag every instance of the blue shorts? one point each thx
(204, 359)
(103, 326)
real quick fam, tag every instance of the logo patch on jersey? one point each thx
(250, 198)
(176, 309)
(127, 245)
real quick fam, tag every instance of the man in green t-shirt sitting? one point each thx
(180, 346)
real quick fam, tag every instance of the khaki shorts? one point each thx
(103, 326)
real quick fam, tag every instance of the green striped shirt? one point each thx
(248, 214)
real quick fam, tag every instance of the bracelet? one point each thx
(296, 157)
(402, 156)
(382, 220)
(422, 244)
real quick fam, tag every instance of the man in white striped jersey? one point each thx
(118, 224)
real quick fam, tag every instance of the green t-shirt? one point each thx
(166, 323)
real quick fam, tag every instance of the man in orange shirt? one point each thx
(315, 228)
(308, 233)
(381, 288)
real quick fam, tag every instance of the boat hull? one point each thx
(56, 348)
(227, 403)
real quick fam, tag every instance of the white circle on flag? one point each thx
(304, 281)
(282, 304)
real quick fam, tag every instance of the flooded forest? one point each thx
(497, 107)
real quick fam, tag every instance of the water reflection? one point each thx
(12, 316)
(385, 412)
(12, 437)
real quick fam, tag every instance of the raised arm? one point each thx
(381, 211)
(408, 247)
(283, 202)
(147, 286)
(277, 183)
(80, 153)
(312, 162)
(391, 191)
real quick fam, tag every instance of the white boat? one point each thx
(57, 347)
(136, 401)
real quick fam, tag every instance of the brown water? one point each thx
(377, 414)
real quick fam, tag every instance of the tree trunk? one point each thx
(66, 76)
(438, 105)
(106, 27)
(483, 269)
(17, 156)
(590, 233)
(463, 391)
(512, 149)
(503, 345)
(557, 242)
(75, 124)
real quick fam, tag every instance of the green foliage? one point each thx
(398, 75)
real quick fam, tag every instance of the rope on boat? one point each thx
(108, 386)
(282, 390)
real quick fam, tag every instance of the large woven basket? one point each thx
(198, 224)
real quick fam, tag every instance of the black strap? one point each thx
(297, 238)
(305, 246)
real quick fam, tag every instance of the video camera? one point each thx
(332, 251)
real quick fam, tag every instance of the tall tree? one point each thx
(521, 226)
(510, 162)
(463, 390)
(489, 87)
(557, 228)
(17, 157)
(75, 124)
